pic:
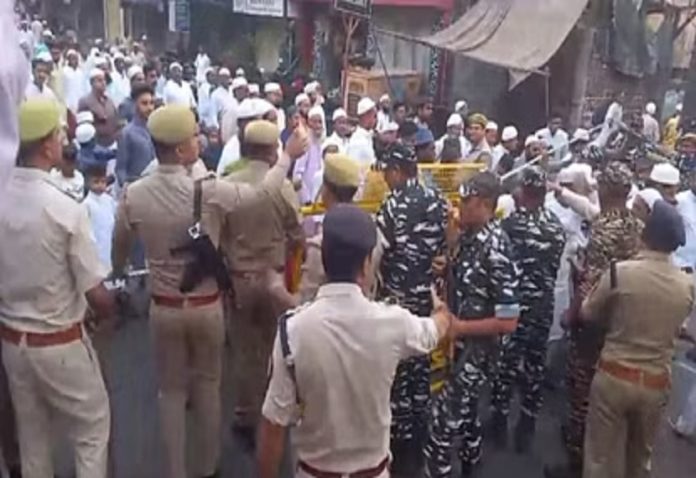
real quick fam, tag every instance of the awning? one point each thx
(520, 35)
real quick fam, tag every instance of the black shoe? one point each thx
(524, 433)
(564, 470)
(497, 430)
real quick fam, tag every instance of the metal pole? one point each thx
(381, 61)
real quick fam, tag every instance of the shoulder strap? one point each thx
(285, 349)
(613, 280)
(197, 199)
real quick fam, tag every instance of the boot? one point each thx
(498, 430)
(524, 433)
(563, 470)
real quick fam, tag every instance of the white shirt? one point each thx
(33, 91)
(464, 145)
(651, 128)
(497, 153)
(282, 122)
(346, 349)
(222, 100)
(361, 147)
(202, 63)
(558, 141)
(74, 86)
(119, 89)
(179, 94)
(230, 154)
(685, 256)
(206, 108)
(101, 209)
(74, 187)
(341, 142)
(382, 119)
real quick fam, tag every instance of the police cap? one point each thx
(534, 177)
(172, 124)
(664, 228)
(261, 132)
(341, 170)
(347, 226)
(37, 119)
(399, 155)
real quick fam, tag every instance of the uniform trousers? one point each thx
(260, 299)
(621, 426)
(527, 347)
(9, 448)
(62, 382)
(188, 352)
(455, 417)
(584, 348)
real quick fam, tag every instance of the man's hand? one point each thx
(441, 315)
(297, 143)
(439, 266)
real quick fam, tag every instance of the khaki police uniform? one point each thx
(644, 311)
(255, 244)
(341, 171)
(188, 329)
(333, 382)
(48, 262)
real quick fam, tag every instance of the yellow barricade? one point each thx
(445, 177)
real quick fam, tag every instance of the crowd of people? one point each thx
(128, 162)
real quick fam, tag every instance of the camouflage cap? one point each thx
(399, 155)
(534, 177)
(615, 174)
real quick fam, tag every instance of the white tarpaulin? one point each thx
(520, 35)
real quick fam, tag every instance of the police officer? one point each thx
(483, 284)
(412, 222)
(188, 327)
(49, 274)
(255, 241)
(643, 308)
(334, 361)
(340, 183)
(614, 236)
(538, 239)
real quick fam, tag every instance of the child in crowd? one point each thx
(67, 177)
(101, 208)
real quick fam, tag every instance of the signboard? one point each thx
(179, 15)
(361, 8)
(264, 8)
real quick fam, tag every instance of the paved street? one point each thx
(136, 451)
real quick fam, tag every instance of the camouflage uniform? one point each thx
(614, 236)
(687, 166)
(485, 285)
(412, 221)
(538, 239)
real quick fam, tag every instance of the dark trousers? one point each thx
(527, 347)
(455, 417)
(9, 446)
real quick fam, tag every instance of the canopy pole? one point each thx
(381, 61)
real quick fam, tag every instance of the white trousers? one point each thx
(61, 384)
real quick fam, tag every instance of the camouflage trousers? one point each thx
(454, 418)
(522, 361)
(583, 353)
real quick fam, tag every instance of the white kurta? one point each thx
(102, 216)
(179, 94)
(74, 86)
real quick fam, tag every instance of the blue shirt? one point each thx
(135, 151)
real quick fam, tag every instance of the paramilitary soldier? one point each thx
(188, 326)
(537, 238)
(483, 284)
(412, 222)
(50, 274)
(255, 241)
(614, 236)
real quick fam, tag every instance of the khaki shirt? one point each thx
(255, 238)
(48, 259)
(346, 349)
(159, 209)
(643, 312)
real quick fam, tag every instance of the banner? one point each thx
(264, 8)
(179, 15)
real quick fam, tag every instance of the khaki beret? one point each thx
(478, 118)
(172, 124)
(261, 132)
(341, 170)
(37, 119)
